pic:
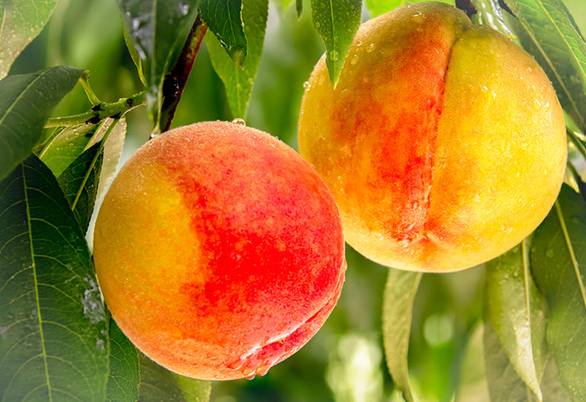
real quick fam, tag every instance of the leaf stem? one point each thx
(176, 79)
(100, 112)
(84, 80)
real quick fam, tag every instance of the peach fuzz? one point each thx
(444, 143)
(219, 251)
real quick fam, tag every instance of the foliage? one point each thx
(513, 329)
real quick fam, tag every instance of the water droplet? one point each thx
(239, 121)
(135, 24)
(334, 55)
(549, 253)
(306, 85)
(371, 47)
(354, 60)
(184, 9)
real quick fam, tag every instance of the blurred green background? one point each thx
(344, 362)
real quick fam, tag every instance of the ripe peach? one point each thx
(443, 142)
(219, 250)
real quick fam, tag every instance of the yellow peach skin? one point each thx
(219, 251)
(444, 143)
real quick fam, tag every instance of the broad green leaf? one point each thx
(517, 312)
(79, 183)
(154, 31)
(225, 18)
(238, 81)
(159, 384)
(398, 300)
(25, 105)
(52, 320)
(558, 261)
(124, 369)
(20, 22)
(67, 144)
(547, 31)
(336, 22)
(503, 382)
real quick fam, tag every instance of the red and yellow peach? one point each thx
(219, 251)
(443, 142)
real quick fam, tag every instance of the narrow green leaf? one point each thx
(154, 32)
(336, 22)
(472, 385)
(20, 22)
(547, 31)
(79, 183)
(225, 19)
(67, 144)
(25, 105)
(52, 320)
(553, 391)
(503, 382)
(517, 312)
(159, 384)
(398, 300)
(124, 368)
(238, 81)
(558, 260)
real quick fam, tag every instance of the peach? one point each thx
(443, 142)
(219, 250)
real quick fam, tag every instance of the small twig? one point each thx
(100, 112)
(175, 81)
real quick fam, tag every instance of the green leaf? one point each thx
(517, 312)
(79, 183)
(25, 105)
(398, 300)
(547, 31)
(159, 384)
(238, 81)
(67, 144)
(336, 22)
(503, 382)
(52, 320)
(553, 391)
(124, 368)
(20, 22)
(472, 385)
(225, 19)
(154, 31)
(558, 260)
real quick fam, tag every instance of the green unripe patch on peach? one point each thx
(443, 142)
(219, 251)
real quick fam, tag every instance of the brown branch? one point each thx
(176, 79)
